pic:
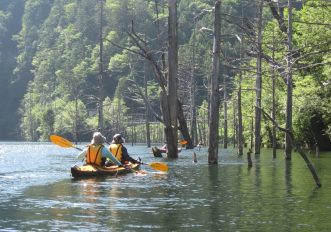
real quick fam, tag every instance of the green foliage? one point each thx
(3, 19)
(68, 116)
(46, 124)
(310, 96)
(59, 55)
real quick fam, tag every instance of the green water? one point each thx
(37, 193)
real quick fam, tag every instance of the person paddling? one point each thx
(120, 152)
(96, 153)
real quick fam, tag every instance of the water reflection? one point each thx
(288, 176)
(214, 186)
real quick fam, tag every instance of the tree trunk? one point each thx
(167, 81)
(240, 116)
(258, 84)
(101, 92)
(183, 126)
(194, 133)
(300, 151)
(235, 126)
(225, 105)
(288, 145)
(147, 113)
(214, 95)
(76, 119)
(273, 115)
(240, 123)
(171, 130)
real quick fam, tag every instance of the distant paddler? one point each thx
(157, 152)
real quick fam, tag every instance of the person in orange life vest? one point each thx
(120, 152)
(96, 153)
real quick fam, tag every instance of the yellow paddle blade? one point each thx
(159, 166)
(62, 142)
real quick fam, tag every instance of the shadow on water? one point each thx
(272, 195)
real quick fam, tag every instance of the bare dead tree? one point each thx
(297, 147)
(172, 99)
(214, 95)
(258, 84)
(160, 77)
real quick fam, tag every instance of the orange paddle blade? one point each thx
(62, 142)
(159, 166)
(183, 142)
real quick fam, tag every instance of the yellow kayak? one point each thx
(88, 170)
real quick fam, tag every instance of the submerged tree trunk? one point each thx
(147, 113)
(171, 130)
(258, 86)
(288, 145)
(214, 89)
(235, 126)
(240, 135)
(101, 78)
(194, 133)
(167, 81)
(300, 151)
(240, 123)
(273, 115)
(225, 105)
(183, 126)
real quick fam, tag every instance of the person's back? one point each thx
(116, 150)
(120, 151)
(96, 153)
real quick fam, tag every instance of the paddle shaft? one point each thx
(79, 149)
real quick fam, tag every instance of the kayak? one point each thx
(89, 170)
(157, 152)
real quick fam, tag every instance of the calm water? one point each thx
(37, 193)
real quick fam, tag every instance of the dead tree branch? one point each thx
(298, 148)
(147, 103)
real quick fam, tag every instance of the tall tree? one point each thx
(289, 91)
(171, 132)
(258, 84)
(214, 89)
(101, 72)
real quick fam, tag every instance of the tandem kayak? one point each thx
(88, 170)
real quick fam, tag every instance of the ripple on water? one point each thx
(39, 194)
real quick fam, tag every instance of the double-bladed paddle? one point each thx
(62, 142)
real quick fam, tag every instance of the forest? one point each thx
(226, 73)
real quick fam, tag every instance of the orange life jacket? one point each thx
(116, 150)
(94, 155)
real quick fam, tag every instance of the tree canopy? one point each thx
(50, 67)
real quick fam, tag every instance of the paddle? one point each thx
(62, 142)
(183, 142)
(158, 166)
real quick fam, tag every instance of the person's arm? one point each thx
(81, 155)
(126, 157)
(106, 153)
